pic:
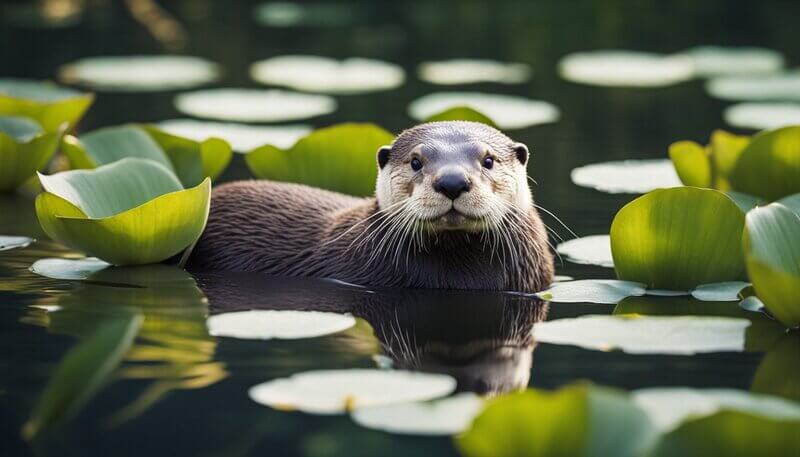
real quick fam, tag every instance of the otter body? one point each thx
(440, 219)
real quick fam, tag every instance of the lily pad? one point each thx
(678, 238)
(339, 158)
(14, 242)
(309, 14)
(709, 166)
(769, 166)
(254, 105)
(669, 407)
(69, 269)
(24, 149)
(627, 176)
(326, 75)
(507, 111)
(774, 87)
(49, 105)
(339, 391)
(772, 250)
(719, 61)
(588, 250)
(684, 335)
(577, 420)
(607, 291)
(241, 137)
(617, 68)
(140, 73)
(133, 211)
(446, 416)
(762, 116)
(471, 71)
(272, 324)
(720, 291)
(461, 113)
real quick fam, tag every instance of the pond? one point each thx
(154, 361)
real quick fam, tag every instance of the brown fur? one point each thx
(295, 230)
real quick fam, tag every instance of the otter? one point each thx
(452, 210)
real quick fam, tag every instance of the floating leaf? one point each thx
(772, 250)
(717, 60)
(461, 113)
(775, 87)
(471, 71)
(769, 166)
(82, 372)
(446, 416)
(133, 211)
(577, 420)
(326, 75)
(139, 73)
(720, 291)
(49, 105)
(588, 250)
(24, 149)
(339, 391)
(507, 111)
(635, 334)
(619, 68)
(710, 166)
(608, 291)
(69, 269)
(254, 105)
(678, 238)
(692, 163)
(212, 155)
(627, 176)
(14, 242)
(339, 158)
(762, 116)
(275, 324)
(241, 137)
(752, 304)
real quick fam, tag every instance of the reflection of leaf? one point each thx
(577, 420)
(778, 372)
(82, 372)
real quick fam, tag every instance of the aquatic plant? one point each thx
(49, 105)
(25, 148)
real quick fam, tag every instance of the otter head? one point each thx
(453, 176)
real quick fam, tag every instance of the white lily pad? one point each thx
(562, 278)
(718, 61)
(69, 269)
(471, 71)
(275, 324)
(668, 407)
(339, 391)
(326, 75)
(627, 176)
(776, 87)
(140, 73)
(752, 303)
(14, 242)
(253, 105)
(507, 111)
(625, 68)
(762, 116)
(607, 291)
(446, 416)
(634, 334)
(241, 137)
(588, 250)
(719, 291)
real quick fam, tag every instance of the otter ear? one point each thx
(522, 152)
(383, 155)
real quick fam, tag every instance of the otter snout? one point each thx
(451, 184)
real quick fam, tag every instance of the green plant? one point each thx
(49, 105)
(25, 148)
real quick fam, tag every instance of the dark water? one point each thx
(181, 392)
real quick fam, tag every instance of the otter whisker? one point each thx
(542, 208)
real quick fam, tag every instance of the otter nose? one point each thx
(451, 185)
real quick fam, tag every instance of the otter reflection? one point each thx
(483, 339)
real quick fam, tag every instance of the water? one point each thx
(179, 391)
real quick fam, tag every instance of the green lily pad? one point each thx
(577, 420)
(190, 160)
(678, 238)
(82, 372)
(769, 166)
(278, 324)
(710, 166)
(133, 211)
(24, 149)
(48, 104)
(608, 291)
(471, 71)
(14, 242)
(772, 250)
(326, 75)
(461, 113)
(691, 162)
(763, 115)
(507, 111)
(339, 158)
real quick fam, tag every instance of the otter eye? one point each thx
(416, 165)
(488, 163)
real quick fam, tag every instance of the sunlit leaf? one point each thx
(626, 176)
(608, 291)
(678, 238)
(340, 158)
(278, 324)
(710, 166)
(133, 211)
(769, 166)
(326, 75)
(24, 149)
(588, 250)
(461, 113)
(692, 163)
(212, 155)
(618, 68)
(48, 104)
(446, 416)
